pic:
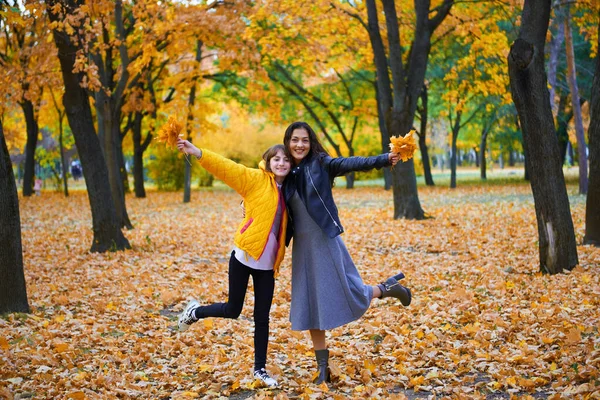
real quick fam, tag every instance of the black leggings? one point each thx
(264, 284)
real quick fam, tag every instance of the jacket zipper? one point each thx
(320, 198)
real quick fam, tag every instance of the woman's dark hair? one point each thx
(316, 147)
(272, 152)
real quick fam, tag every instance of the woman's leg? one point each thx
(376, 292)
(238, 283)
(264, 284)
(318, 339)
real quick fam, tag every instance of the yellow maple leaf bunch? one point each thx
(405, 145)
(170, 132)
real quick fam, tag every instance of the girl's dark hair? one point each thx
(271, 152)
(316, 147)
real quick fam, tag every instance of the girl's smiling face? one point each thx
(299, 144)
(280, 165)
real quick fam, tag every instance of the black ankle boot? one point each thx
(391, 288)
(322, 357)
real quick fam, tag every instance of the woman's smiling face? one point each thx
(299, 144)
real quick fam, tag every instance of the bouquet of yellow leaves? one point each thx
(170, 132)
(405, 145)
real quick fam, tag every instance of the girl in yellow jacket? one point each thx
(259, 242)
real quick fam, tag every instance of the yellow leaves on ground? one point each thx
(405, 145)
(78, 395)
(61, 347)
(573, 336)
(170, 132)
(483, 322)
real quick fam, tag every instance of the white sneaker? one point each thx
(264, 377)
(186, 318)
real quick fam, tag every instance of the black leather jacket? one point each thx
(313, 179)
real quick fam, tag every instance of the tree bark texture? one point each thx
(30, 146)
(558, 37)
(109, 102)
(187, 177)
(65, 169)
(557, 246)
(123, 169)
(407, 86)
(385, 138)
(454, 150)
(139, 146)
(563, 118)
(572, 79)
(383, 85)
(592, 206)
(106, 227)
(138, 155)
(109, 118)
(13, 290)
(482, 150)
(423, 139)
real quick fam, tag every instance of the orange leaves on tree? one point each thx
(405, 145)
(170, 132)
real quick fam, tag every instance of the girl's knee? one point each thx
(232, 312)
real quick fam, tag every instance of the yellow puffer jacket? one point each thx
(261, 197)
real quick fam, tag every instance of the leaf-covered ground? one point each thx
(483, 323)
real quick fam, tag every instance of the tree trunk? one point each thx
(563, 119)
(187, 181)
(558, 38)
(106, 226)
(30, 146)
(385, 138)
(425, 158)
(350, 180)
(65, 170)
(455, 131)
(123, 168)
(557, 246)
(511, 157)
(423, 139)
(383, 89)
(109, 122)
(138, 156)
(572, 78)
(109, 101)
(13, 289)
(407, 86)
(592, 206)
(404, 179)
(482, 149)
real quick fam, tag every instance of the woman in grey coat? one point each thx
(327, 290)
